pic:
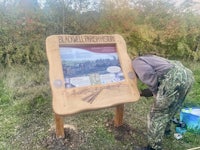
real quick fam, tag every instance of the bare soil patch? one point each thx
(73, 139)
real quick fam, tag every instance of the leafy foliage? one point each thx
(25, 104)
(147, 26)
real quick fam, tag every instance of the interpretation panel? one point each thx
(89, 72)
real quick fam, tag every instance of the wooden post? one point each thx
(59, 126)
(118, 120)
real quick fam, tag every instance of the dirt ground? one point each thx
(73, 139)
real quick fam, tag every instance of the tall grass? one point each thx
(26, 115)
(24, 106)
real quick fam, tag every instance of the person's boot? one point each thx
(144, 148)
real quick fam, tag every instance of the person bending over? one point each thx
(169, 81)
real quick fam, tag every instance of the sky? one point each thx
(42, 2)
(178, 2)
(74, 54)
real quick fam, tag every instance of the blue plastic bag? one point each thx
(191, 117)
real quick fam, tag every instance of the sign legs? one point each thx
(59, 126)
(119, 112)
(118, 121)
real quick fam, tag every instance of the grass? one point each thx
(26, 116)
(25, 108)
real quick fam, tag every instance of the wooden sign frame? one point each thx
(93, 87)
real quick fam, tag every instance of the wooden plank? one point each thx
(68, 101)
(119, 112)
(59, 126)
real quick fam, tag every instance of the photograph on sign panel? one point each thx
(90, 65)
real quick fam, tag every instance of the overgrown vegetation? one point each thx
(26, 116)
(25, 109)
(156, 26)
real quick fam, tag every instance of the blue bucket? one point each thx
(191, 117)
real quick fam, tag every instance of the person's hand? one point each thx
(146, 93)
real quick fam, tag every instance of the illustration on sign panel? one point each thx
(88, 65)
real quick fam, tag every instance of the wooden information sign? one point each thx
(89, 72)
